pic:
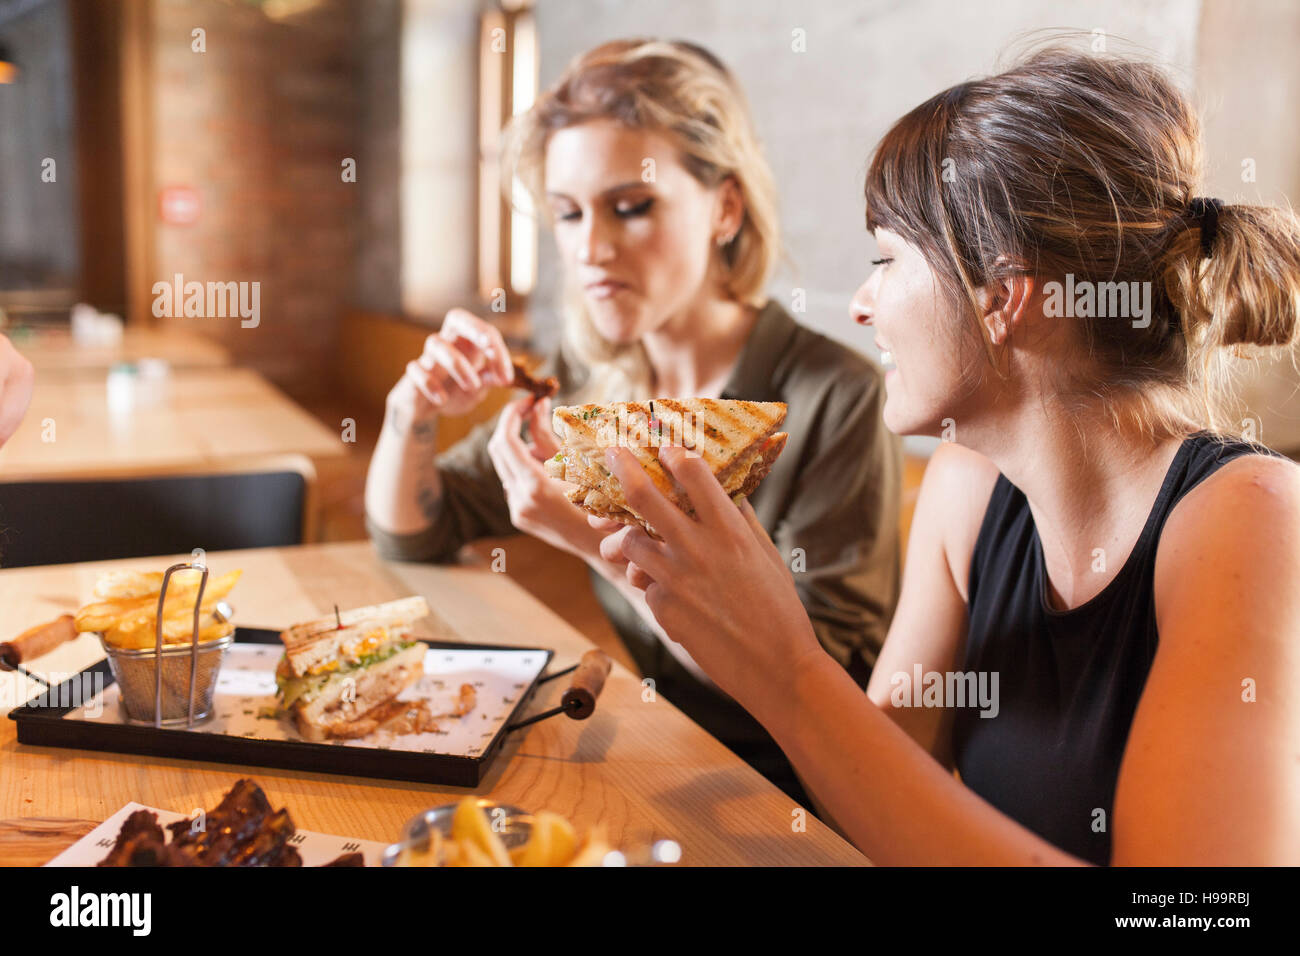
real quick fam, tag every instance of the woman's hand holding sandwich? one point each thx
(537, 503)
(716, 584)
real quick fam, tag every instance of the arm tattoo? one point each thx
(402, 423)
(398, 421)
(428, 489)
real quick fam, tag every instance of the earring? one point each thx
(724, 240)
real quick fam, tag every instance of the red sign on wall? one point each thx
(178, 205)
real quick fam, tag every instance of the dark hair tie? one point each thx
(1205, 213)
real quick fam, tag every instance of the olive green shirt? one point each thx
(830, 502)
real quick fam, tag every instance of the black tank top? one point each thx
(1068, 681)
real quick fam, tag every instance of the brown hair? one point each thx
(1086, 165)
(683, 91)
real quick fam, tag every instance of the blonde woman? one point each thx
(1105, 586)
(645, 162)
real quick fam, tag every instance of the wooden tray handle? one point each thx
(588, 680)
(37, 640)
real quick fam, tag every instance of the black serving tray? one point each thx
(41, 722)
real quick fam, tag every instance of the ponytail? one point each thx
(1246, 292)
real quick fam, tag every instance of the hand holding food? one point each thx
(459, 364)
(716, 584)
(538, 506)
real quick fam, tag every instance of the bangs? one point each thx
(905, 182)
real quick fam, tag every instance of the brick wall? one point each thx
(38, 220)
(259, 124)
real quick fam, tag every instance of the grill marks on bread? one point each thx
(734, 438)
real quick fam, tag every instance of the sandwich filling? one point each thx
(737, 441)
(292, 688)
(600, 492)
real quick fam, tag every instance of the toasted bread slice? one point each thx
(313, 645)
(735, 438)
(743, 481)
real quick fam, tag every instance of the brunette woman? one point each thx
(1093, 547)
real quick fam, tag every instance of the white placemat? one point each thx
(245, 702)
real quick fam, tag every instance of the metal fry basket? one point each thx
(170, 685)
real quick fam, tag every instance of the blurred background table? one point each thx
(637, 766)
(193, 417)
(55, 350)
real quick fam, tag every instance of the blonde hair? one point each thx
(1086, 165)
(683, 92)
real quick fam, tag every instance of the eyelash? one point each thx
(640, 209)
(880, 262)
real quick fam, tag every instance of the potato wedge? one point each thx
(471, 855)
(471, 827)
(552, 842)
(128, 584)
(128, 614)
(106, 614)
(177, 604)
(593, 850)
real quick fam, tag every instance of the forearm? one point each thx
(899, 806)
(403, 488)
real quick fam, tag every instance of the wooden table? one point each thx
(638, 766)
(198, 417)
(54, 350)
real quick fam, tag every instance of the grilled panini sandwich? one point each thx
(338, 669)
(737, 440)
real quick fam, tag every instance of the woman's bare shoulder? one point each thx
(1253, 498)
(954, 496)
(1250, 489)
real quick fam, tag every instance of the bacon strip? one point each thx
(544, 388)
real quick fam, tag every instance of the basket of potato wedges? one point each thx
(478, 831)
(165, 634)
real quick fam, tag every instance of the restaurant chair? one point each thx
(255, 503)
